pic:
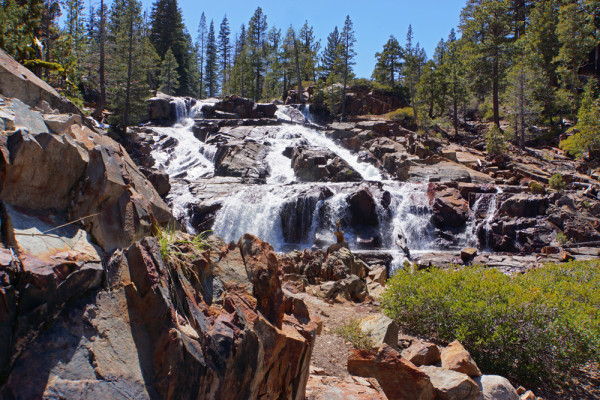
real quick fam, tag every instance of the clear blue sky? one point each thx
(374, 20)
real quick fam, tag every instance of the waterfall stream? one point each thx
(291, 214)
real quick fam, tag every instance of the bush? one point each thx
(352, 333)
(534, 327)
(536, 188)
(557, 182)
(402, 114)
(495, 142)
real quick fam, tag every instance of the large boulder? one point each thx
(452, 385)
(450, 210)
(321, 165)
(494, 387)
(456, 358)
(422, 353)
(381, 329)
(363, 209)
(244, 159)
(398, 377)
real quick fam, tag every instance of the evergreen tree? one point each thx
(224, 47)
(586, 135)
(168, 32)
(411, 68)
(389, 63)
(169, 78)
(308, 48)
(347, 40)
(211, 68)
(75, 26)
(487, 30)
(240, 63)
(201, 43)
(330, 61)
(273, 77)
(257, 29)
(457, 90)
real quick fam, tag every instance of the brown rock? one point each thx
(456, 358)
(381, 329)
(422, 353)
(398, 377)
(452, 385)
(468, 253)
(528, 395)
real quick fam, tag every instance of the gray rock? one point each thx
(381, 329)
(57, 123)
(27, 119)
(496, 387)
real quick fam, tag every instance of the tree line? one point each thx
(515, 60)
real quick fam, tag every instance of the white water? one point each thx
(284, 208)
(486, 223)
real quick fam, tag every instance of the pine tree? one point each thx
(273, 76)
(347, 41)
(257, 28)
(389, 63)
(169, 78)
(211, 68)
(487, 30)
(411, 68)
(168, 32)
(224, 47)
(309, 48)
(330, 60)
(457, 90)
(201, 43)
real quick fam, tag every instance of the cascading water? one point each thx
(291, 214)
(487, 206)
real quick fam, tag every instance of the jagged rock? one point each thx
(351, 288)
(381, 329)
(450, 209)
(158, 179)
(41, 170)
(422, 353)
(57, 123)
(244, 108)
(468, 253)
(362, 208)
(159, 108)
(398, 377)
(456, 358)
(378, 274)
(452, 385)
(18, 82)
(25, 118)
(241, 159)
(202, 216)
(320, 165)
(494, 387)
(524, 205)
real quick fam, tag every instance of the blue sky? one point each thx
(374, 20)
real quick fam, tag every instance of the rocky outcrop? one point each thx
(456, 358)
(244, 159)
(168, 329)
(238, 107)
(321, 165)
(452, 385)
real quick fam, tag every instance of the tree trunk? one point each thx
(495, 101)
(129, 70)
(522, 108)
(102, 101)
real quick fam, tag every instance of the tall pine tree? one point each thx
(224, 47)
(212, 64)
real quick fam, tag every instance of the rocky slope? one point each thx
(90, 307)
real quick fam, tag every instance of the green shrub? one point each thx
(535, 327)
(536, 187)
(495, 142)
(561, 238)
(352, 333)
(557, 182)
(402, 114)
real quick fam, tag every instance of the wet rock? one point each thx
(449, 209)
(456, 358)
(381, 329)
(494, 387)
(202, 216)
(452, 385)
(398, 377)
(321, 165)
(422, 353)
(241, 159)
(244, 108)
(524, 205)
(159, 108)
(362, 208)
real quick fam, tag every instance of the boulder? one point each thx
(450, 210)
(362, 208)
(452, 385)
(159, 108)
(351, 288)
(25, 118)
(398, 377)
(378, 274)
(19, 82)
(244, 159)
(524, 205)
(456, 358)
(41, 170)
(422, 353)
(468, 254)
(381, 329)
(158, 179)
(312, 164)
(57, 123)
(496, 387)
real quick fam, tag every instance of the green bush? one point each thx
(402, 114)
(352, 333)
(536, 188)
(535, 327)
(557, 182)
(495, 142)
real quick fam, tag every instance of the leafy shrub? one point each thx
(534, 327)
(352, 333)
(536, 187)
(557, 182)
(402, 114)
(561, 238)
(495, 142)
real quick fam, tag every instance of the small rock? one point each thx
(521, 390)
(381, 329)
(468, 253)
(528, 395)
(422, 353)
(456, 358)
(452, 385)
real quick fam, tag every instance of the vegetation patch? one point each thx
(537, 327)
(351, 332)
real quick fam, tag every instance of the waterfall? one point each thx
(181, 108)
(487, 206)
(305, 110)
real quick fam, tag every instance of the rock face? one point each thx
(398, 377)
(169, 330)
(314, 165)
(244, 159)
(239, 107)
